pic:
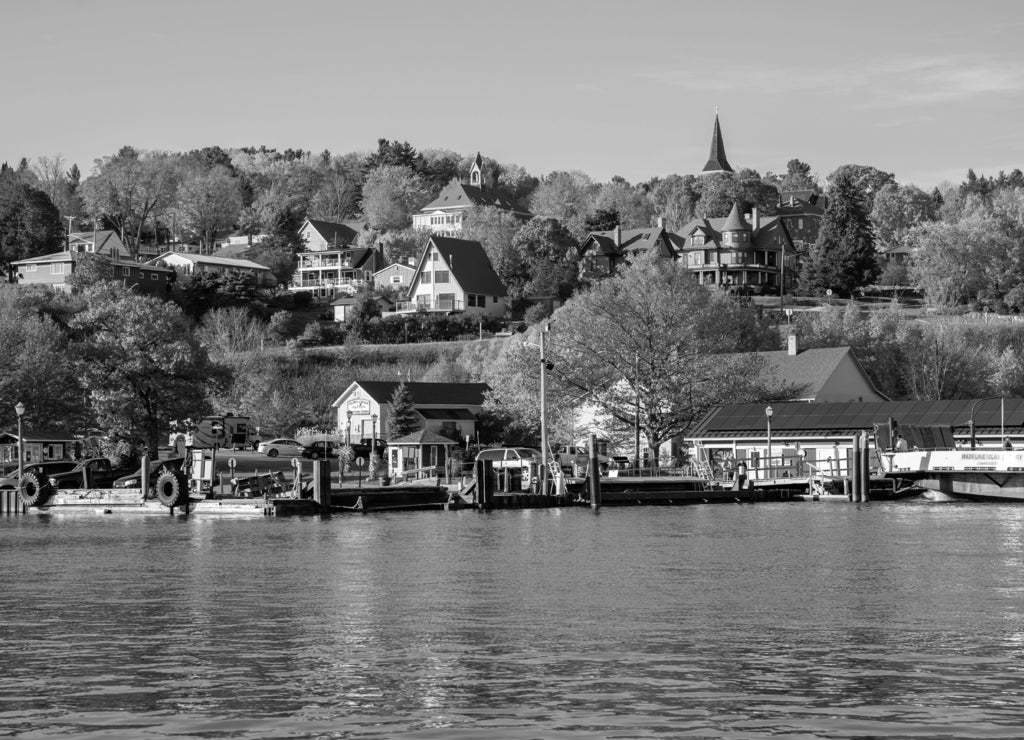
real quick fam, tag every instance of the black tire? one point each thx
(172, 488)
(35, 489)
(272, 452)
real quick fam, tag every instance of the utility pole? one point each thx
(543, 411)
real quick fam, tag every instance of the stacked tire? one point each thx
(35, 489)
(172, 488)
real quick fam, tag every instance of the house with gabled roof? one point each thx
(454, 276)
(603, 253)
(53, 270)
(449, 409)
(192, 264)
(332, 266)
(445, 214)
(732, 252)
(320, 236)
(105, 242)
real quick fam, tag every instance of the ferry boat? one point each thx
(980, 474)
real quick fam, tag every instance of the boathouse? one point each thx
(422, 454)
(811, 437)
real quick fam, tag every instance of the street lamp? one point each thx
(768, 418)
(19, 409)
(1002, 423)
(373, 444)
(348, 429)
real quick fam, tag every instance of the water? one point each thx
(791, 620)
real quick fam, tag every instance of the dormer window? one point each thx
(697, 240)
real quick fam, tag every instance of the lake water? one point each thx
(794, 620)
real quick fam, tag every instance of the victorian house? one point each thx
(331, 265)
(445, 214)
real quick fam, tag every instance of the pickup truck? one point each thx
(9, 479)
(93, 472)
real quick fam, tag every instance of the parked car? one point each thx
(323, 449)
(511, 457)
(93, 472)
(156, 467)
(281, 446)
(9, 478)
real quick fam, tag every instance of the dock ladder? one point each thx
(702, 463)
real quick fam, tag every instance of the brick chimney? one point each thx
(618, 236)
(755, 220)
(791, 341)
(661, 222)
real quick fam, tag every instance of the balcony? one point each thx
(446, 305)
(312, 281)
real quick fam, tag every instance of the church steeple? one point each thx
(476, 172)
(717, 161)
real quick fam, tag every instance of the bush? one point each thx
(283, 326)
(302, 299)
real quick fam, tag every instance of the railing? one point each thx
(326, 283)
(435, 305)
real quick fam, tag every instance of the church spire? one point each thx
(717, 161)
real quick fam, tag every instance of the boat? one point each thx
(979, 474)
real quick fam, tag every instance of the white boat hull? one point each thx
(968, 474)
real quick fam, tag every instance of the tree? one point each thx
(128, 189)
(868, 180)
(650, 337)
(718, 192)
(140, 364)
(364, 311)
(59, 185)
(89, 270)
(541, 261)
(203, 291)
(404, 419)
(676, 198)
(798, 177)
(843, 259)
(566, 196)
(635, 210)
(29, 223)
(897, 209)
(391, 194)
(208, 202)
(37, 366)
(494, 228)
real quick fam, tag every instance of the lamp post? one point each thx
(373, 443)
(348, 428)
(768, 418)
(1002, 422)
(19, 409)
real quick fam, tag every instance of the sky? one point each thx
(924, 90)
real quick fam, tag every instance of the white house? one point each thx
(191, 264)
(455, 276)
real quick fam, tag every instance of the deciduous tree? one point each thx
(140, 364)
(30, 224)
(391, 194)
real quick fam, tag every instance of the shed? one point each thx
(39, 446)
(424, 451)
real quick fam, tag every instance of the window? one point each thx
(441, 276)
(425, 277)
(800, 223)
(697, 240)
(154, 276)
(126, 271)
(30, 268)
(396, 279)
(57, 268)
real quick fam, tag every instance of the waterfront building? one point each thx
(445, 214)
(811, 437)
(454, 276)
(39, 446)
(447, 409)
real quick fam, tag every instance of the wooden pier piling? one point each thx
(595, 475)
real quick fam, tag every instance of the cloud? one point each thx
(893, 81)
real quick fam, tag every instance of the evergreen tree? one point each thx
(843, 259)
(404, 419)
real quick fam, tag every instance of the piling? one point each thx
(11, 503)
(144, 481)
(595, 475)
(322, 484)
(483, 484)
(856, 466)
(865, 470)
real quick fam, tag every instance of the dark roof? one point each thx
(630, 240)
(38, 436)
(808, 370)
(457, 194)
(333, 233)
(428, 394)
(717, 161)
(447, 414)
(422, 437)
(735, 221)
(469, 264)
(798, 418)
(768, 228)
